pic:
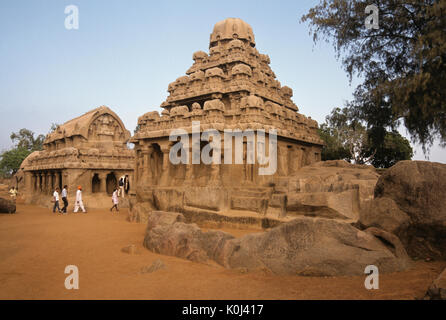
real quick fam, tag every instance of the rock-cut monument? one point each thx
(88, 151)
(230, 88)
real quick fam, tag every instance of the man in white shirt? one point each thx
(13, 192)
(56, 200)
(64, 199)
(115, 200)
(79, 202)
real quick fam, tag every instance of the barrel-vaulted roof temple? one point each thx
(232, 87)
(88, 151)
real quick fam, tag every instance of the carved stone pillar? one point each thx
(189, 169)
(49, 180)
(165, 171)
(33, 183)
(137, 167)
(147, 165)
(102, 182)
(56, 179)
(282, 160)
(215, 178)
(44, 182)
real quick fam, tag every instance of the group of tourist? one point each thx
(78, 203)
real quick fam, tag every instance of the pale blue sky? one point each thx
(125, 54)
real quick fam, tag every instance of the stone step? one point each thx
(252, 194)
(257, 204)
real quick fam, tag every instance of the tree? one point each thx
(403, 63)
(25, 144)
(394, 149)
(11, 160)
(349, 140)
(345, 138)
(53, 127)
(333, 148)
(24, 139)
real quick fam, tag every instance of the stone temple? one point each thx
(231, 87)
(89, 151)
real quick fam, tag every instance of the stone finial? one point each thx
(232, 28)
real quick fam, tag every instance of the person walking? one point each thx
(79, 202)
(126, 184)
(56, 201)
(64, 199)
(115, 200)
(13, 193)
(121, 187)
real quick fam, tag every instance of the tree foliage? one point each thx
(24, 139)
(11, 160)
(403, 63)
(394, 149)
(24, 143)
(349, 140)
(344, 138)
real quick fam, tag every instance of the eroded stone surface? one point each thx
(437, 290)
(417, 189)
(305, 246)
(7, 206)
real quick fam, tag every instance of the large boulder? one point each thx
(168, 234)
(437, 290)
(7, 206)
(317, 247)
(329, 189)
(305, 246)
(385, 214)
(418, 188)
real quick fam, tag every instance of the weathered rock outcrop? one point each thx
(7, 206)
(410, 201)
(329, 189)
(168, 234)
(385, 214)
(306, 246)
(437, 290)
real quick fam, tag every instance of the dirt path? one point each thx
(36, 245)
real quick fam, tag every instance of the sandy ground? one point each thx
(36, 246)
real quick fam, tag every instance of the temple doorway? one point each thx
(95, 184)
(112, 183)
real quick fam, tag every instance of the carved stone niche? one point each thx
(105, 128)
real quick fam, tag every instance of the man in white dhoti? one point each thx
(79, 202)
(115, 200)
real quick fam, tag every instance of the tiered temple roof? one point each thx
(231, 87)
